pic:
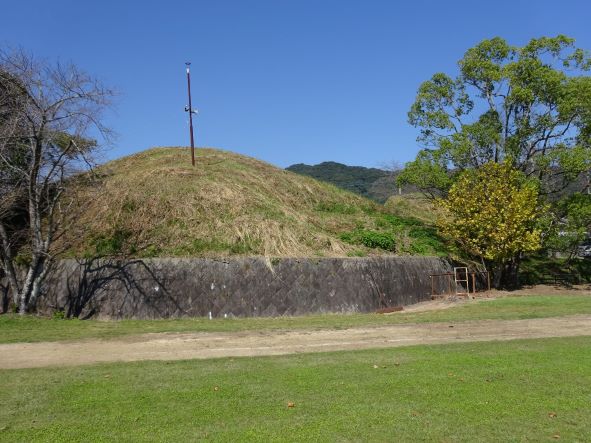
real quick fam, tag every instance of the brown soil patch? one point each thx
(167, 346)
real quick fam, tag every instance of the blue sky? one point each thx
(283, 81)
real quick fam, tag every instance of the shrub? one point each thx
(371, 239)
(111, 245)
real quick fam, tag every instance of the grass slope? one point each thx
(527, 390)
(14, 328)
(155, 204)
(415, 206)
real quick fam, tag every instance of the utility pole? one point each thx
(189, 109)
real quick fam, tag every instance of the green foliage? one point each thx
(414, 236)
(64, 142)
(114, 244)
(397, 222)
(60, 314)
(23, 258)
(428, 172)
(541, 269)
(570, 225)
(529, 106)
(371, 239)
(577, 209)
(403, 235)
(493, 213)
(426, 240)
(201, 244)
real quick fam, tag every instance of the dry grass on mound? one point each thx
(154, 203)
(157, 203)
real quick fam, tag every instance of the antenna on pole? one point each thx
(190, 110)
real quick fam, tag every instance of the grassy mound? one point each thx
(155, 203)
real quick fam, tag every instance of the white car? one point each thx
(585, 250)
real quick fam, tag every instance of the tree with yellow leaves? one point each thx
(492, 213)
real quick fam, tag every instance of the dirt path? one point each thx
(174, 346)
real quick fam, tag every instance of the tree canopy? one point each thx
(492, 214)
(528, 106)
(569, 225)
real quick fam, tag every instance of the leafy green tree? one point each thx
(528, 106)
(570, 225)
(492, 214)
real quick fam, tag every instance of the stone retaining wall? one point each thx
(244, 287)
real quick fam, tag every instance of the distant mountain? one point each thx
(379, 185)
(372, 183)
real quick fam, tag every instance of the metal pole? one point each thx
(190, 114)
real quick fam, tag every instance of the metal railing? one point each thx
(449, 284)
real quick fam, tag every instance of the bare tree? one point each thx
(50, 129)
(393, 168)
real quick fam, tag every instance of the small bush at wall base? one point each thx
(59, 315)
(371, 239)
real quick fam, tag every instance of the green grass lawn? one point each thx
(526, 390)
(14, 328)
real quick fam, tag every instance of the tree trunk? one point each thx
(30, 281)
(497, 275)
(506, 274)
(8, 265)
(37, 283)
(4, 298)
(510, 273)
